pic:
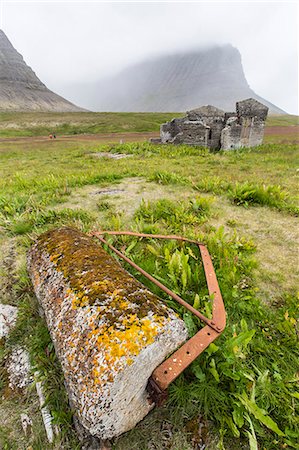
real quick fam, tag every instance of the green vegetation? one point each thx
(239, 381)
(244, 388)
(32, 333)
(31, 124)
(42, 124)
(240, 193)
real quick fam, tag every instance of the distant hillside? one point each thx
(176, 82)
(21, 89)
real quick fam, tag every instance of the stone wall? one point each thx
(211, 127)
(192, 133)
(256, 133)
(213, 118)
(231, 134)
(252, 108)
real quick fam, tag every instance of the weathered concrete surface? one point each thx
(8, 317)
(246, 129)
(17, 365)
(211, 127)
(252, 108)
(109, 331)
(231, 134)
(213, 119)
(18, 368)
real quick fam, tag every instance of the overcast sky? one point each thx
(78, 42)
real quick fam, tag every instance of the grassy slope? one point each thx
(28, 124)
(282, 120)
(50, 183)
(42, 124)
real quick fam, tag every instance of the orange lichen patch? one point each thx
(92, 272)
(54, 258)
(125, 339)
(79, 300)
(120, 305)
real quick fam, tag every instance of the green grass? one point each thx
(42, 124)
(31, 124)
(238, 382)
(282, 120)
(244, 384)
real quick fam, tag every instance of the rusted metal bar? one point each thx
(172, 367)
(156, 282)
(218, 313)
(151, 236)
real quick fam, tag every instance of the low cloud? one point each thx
(82, 42)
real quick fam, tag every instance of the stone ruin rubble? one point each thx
(213, 128)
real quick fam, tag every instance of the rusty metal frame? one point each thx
(172, 367)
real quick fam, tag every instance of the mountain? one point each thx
(21, 89)
(176, 82)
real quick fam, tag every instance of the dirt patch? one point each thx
(11, 433)
(110, 155)
(285, 131)
(282, 135)
(125, 196)
(276, 236)
(106, 138)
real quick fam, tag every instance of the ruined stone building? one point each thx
(211, 127)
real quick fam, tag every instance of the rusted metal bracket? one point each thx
(172, 367)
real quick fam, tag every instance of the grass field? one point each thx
(30, 124)
(42, 124)
(242, 393)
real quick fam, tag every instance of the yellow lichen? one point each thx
(121, 316)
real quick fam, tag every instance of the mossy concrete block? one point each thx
(108, 330)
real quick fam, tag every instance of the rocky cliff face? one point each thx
(21, 89)
(179, 82)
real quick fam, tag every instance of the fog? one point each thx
(77, 43)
